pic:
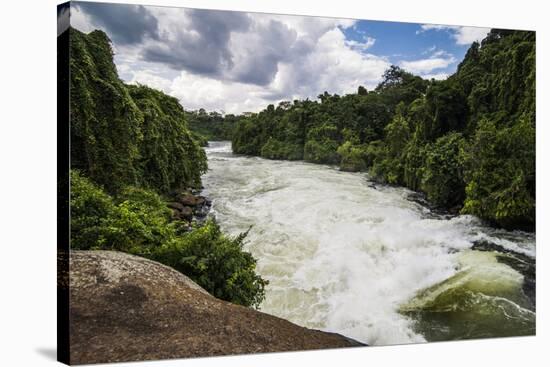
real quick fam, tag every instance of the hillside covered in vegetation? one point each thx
(467, 142)
(131, 151)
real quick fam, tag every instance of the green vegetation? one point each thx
(138, 222)
(105, 121)
(467, 142)
(126, 135)
(169, 157)
(211, 125)
(130, 146)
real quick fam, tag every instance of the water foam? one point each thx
(340, 255)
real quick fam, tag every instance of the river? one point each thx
(348, 256)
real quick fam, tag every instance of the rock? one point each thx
(190, 199)
(455, 210)
(433, 211)
(201, 210)
(189, 206)
(186, 213)
(127, 308)
(175, 214)
(522, 263)
(175, 205)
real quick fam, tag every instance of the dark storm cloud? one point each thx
(227, 45)
(262, 66)
(125, 24)
(203, 47)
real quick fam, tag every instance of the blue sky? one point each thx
(412, 41)
(236, 61)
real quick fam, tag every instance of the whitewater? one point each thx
(346, 255)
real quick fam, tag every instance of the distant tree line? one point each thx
(212, 126)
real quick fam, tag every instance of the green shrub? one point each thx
(275, 149)
(137, 221)
(322, 145)
(500, 174)
(91, 209)
(442, 180)
(414, 157)
(216, 262)
(353, 157)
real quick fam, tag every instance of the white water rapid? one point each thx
(344, 255)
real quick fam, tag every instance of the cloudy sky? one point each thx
(235, 62)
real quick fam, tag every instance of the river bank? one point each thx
(348, 256)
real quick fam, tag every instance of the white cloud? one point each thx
(150, 79)
(330, 65)
(429, 50)
(272, 58)
(82, 21)
(468, 35)
(441, 53)
(196, 91)
(439, 59)
(436, 76)
(462, 35)
(336, 67)
(425, 65)
(306, 55)
(428, 27)
(362, 46)
(63, 17)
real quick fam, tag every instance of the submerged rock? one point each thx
(127, 308)
(517, 261)
(434, 211)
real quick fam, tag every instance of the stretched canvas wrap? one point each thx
(235, 182)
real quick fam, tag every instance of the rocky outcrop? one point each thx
(188, 206)
(127, 308)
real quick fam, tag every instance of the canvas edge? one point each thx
(63, 161)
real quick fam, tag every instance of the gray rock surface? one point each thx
(126, 308)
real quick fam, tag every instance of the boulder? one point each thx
(175, 214)
(175, 205)
(190, 199)
(127, 308)
(186, 213)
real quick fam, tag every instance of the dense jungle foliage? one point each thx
(467, 142)
(126, 135)
(212, 126)
(130, 147)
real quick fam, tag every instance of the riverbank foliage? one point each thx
(211, 126)
(467, 142)
(130, 147)
(126, 135)
(138, 222)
